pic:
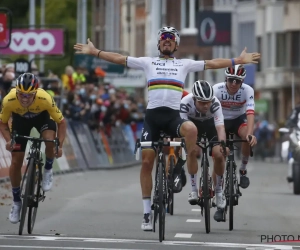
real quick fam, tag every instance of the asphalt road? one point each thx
(103, 210)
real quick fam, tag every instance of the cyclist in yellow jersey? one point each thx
(30, 107)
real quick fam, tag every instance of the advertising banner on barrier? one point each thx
(87, 144)
(100, 147)
(37, 41)
(72, 150)
(5, 159)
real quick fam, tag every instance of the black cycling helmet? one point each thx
(27, 83)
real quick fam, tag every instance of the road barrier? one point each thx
(83, 149)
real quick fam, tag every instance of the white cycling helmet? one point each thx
(237, 71)
(169, 29)
(203, 91)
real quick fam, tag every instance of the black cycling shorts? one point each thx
(234, 125)
(161, 119)
(208, 128)
(23, 126)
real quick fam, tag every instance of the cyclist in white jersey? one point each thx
(237, 101)
(205, 111)
(165, 77)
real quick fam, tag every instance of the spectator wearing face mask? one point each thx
(6, 81)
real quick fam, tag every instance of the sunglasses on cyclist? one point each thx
(165, 36)
(234, 80)
(22, 95)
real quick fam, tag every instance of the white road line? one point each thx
(196, 210)
(70, 248)
(127, 241)
(183, 235)
(193, 220)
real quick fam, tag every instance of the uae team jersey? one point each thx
(165, 78)
(188, 111)
(235, 105)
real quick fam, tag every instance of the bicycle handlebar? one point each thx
(33, 139)
(140, 144)
(223, 144)
(250, 138)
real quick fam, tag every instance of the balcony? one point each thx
(276, 78)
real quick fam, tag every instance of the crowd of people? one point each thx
(83, 96)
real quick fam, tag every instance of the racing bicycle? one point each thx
(206, 192)
(232, 190)
(31, 191)
(160, 196)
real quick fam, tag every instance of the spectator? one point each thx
(6, 81)
(67, 79)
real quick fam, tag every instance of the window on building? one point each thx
(281, 50)
(295, 49)
(189, 10)
(258, 44)
(140, 39)
(97, 4)
(269, 50)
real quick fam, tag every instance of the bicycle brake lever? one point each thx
(223, 145)
(184, 149)
(56, 141)
(251, 151)
(13, 139)
(137, 145)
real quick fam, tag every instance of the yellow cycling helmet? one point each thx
(27, 83)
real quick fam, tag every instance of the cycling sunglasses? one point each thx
(22, 95)
(165, 36)
(234, 80)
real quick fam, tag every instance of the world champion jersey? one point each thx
(235, 105)
(188, 111)
(42, 102)
(165, 78)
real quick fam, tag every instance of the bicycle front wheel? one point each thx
(206, 197)
(231, 196)
(36, 196)
(28, 176)
(161, 204)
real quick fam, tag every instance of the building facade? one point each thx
(278, 40)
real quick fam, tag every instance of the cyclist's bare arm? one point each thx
(61, 132)
(90, 49)
(221, 132)
(250, 124)
(244, 58)
(4, 117)
(4, 129)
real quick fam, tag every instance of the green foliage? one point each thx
(57, 12)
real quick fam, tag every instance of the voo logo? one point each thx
(32, 42)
